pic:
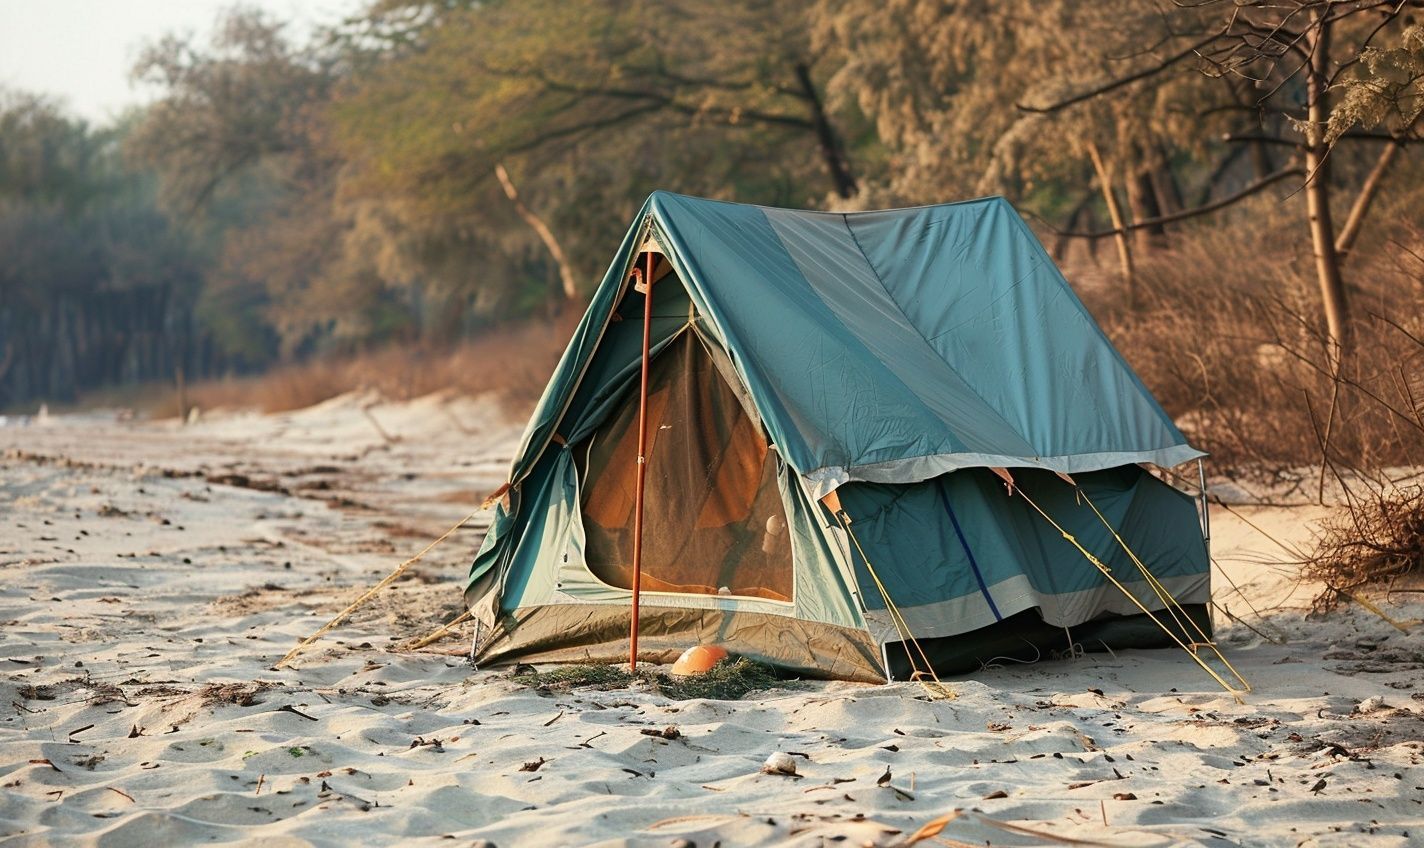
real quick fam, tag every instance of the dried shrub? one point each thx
(237, 694)
(1228, 333)
(1379, 539)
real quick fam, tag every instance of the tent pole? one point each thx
(642, 458)
(1205, 505)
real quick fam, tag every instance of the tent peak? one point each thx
(660, 198)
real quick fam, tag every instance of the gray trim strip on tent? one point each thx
(971, 612)
(823, 481)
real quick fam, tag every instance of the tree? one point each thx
(1295, 52)
(238, 142)
(980, 96)
(587, 105)
(247, 97)
(96, 286)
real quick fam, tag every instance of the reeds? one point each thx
(513, 362)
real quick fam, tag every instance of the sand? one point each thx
(151, 574)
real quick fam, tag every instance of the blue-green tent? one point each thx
(881, 364)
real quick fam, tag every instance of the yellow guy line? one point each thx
(1107, 572)
(939, 689)
(1164, 596)
(388, 579)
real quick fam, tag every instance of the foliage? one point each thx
(97, 285)
(246, 96)
(591, 105)
(1388, 88)
(945, 81)
(285, 199)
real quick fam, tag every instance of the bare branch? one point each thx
(1113, 85)
(1252, 138)
(566, 274)
(583, 127)
(1185, 214)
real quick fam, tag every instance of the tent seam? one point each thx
(875, 272)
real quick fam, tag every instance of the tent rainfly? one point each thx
(873, 441)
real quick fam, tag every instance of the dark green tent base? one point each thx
(1026, 638)
(598, 633)
(595, 633)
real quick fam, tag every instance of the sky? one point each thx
(80, 51)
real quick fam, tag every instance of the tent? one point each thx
(863, 431)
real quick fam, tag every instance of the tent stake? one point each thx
(642, 458)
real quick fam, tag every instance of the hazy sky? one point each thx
(81, 50)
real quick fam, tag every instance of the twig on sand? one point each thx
(1236, 618)
(288, 708)
(440, 632)
(1374, 609)
(384, 582)
(387, 437)
(933, 828)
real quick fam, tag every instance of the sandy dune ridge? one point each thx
(150, 575)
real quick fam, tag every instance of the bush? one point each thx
(1236, 352)
(1379, 539)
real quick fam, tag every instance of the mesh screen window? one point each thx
(713, 521)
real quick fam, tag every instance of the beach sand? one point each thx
(151, 574)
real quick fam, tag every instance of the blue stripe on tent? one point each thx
(954, 519)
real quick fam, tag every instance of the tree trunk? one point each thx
(1080, 209)
(1142, 201)
(1124, 247)
(179, 378)
(1218, 173)
(1260, 154)
(566, 274)
(1317, 197)
(1261, 162)
(1345, 242)
(1164, 183)
(832, 149)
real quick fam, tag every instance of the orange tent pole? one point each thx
(642, 457)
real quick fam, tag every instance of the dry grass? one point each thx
(514, 362)
(1378, 540)
(726, 681)
(1229, 335)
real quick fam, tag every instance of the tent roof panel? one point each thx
(897, 345)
